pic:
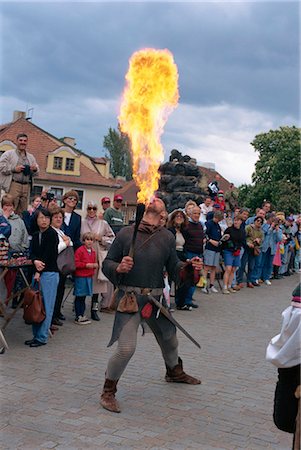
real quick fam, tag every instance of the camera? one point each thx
(50, 196)
(26, 169)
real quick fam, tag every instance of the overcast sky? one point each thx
(238, 71)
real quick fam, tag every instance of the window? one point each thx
(57, 163)
(80, 199)
(69, 164)
(36, 190)
(58, 192)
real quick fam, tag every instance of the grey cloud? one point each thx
(244, 55)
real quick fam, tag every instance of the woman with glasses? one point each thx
(71, 227)
(103, 238)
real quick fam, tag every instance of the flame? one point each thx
(150, 95)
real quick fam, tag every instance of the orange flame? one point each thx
(150, 95)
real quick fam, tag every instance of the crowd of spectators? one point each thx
(238, 250)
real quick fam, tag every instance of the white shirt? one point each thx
(67, 218)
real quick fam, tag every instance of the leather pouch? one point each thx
(128, 303)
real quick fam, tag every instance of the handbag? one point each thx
(66, 261)
(256, 251)
(34, 311)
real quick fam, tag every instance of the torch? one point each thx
(139, 214)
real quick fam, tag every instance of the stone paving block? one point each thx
(51, 396)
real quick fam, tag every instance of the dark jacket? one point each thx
(46, 250)
(73, 229)
(214, 232)
(237, 238)
(194, 238)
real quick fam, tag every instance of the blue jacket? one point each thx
(5, 227)
(271, 237)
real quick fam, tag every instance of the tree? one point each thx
(118, 146)
(277, 171)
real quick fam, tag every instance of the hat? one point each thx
(118, 197)
(290, 218)
(105, 200)
(220, 192)
(216, 206)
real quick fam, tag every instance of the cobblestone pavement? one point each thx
(50, 395)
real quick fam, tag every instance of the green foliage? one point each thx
(118, 146)
(277, 171)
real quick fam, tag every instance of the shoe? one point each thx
(36, 343)
(107, 310)
(61, 316)
(193, 305)
(107, 398)
(30, 341)
(260, 281)
(205, 290)
(236, 288)
(241, 285)
(213, 290)
(177, 375)
(233, 291)
(250, 285)
(267, 282)
(82, 320)
(57, 322)
(184, 308)
(255, 283)
(53, 328)
(94, 315)
(226, 291)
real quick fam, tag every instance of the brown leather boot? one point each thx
(177, 375)
(107, 398)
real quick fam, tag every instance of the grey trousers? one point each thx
(127, 345)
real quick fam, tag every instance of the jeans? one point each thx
(48, 284)
(267, 265)
(80, 306)
(188, 299)
(258, 267)
(247, 257)
(297, 260)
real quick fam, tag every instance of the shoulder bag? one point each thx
(34, 311)
(66, 261)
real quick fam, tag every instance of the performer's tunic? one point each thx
(155, 251)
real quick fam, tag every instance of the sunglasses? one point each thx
(73, 199)
(108, 201)
(118, 201)
(90, 208)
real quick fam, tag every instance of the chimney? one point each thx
(19, 115)
(69, 141)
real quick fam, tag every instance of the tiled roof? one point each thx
(40, 143)
(210, 174)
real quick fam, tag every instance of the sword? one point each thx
(167, 314)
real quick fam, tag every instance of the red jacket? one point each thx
(82, 257)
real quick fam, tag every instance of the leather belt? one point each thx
(21, 182)
(141, 291)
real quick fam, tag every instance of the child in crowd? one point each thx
(85, 263)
